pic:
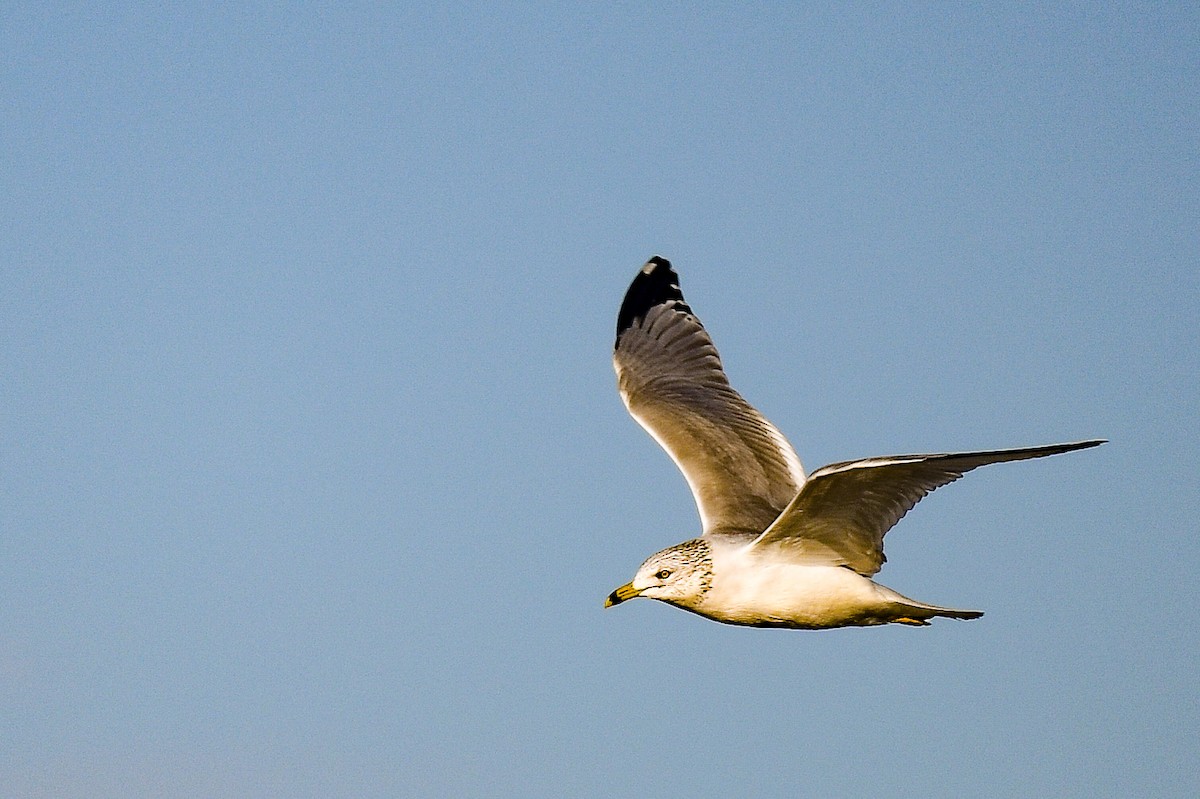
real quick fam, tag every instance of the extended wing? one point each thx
(741, 470)
(844, 510)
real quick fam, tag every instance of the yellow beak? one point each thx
(626, 591)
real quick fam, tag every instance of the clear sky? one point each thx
(315, 477)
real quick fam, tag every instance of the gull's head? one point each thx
(679, 575)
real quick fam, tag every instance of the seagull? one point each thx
(778, 549)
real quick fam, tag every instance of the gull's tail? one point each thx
(918, 614)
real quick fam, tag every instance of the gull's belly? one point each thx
(789, 595)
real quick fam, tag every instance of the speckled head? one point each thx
(679, 575)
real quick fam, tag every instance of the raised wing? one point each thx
(845, 509)
(741, 470)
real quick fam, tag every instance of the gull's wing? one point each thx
(741, 470)
(845, 509)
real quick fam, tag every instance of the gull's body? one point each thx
(772, 592)
(778, 548)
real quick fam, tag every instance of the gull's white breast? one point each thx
(749, 589)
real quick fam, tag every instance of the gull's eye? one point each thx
(663, 574)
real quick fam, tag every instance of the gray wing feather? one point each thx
(741, 470)
(844, 510)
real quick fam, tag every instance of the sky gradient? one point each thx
(314, 473)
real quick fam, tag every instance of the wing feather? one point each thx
(740, 468)
(844, 510)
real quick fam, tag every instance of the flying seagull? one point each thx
(777, 549)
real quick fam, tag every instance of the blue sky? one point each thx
(315, 476)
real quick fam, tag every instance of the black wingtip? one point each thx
(655, 284)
